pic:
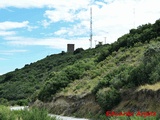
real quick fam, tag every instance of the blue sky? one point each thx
(32, 29)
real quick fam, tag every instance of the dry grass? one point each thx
(153, 87)
(79, 87)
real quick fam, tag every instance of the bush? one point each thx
(52, 86)
(73, 72)
(6, 114)
(32, 114)
(149, 69)
(138, 76)
(78, 50)
(155, 74)
(23, 102)
(102, 83)
(107, 99)
(36, 114)
(4, 101)
(117, 78)
(103, 56)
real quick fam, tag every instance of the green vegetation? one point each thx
(105, 71)
(134, 116)
(108, 99)
(32, 114)
(6, 114)
(127, 118)
(61, 79)
(149, 69)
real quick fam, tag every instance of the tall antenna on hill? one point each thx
(90, 27)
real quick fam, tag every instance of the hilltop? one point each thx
(90, 82)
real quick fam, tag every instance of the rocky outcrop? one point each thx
(143, 100)
(72, 105)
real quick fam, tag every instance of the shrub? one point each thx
(107, 99)
(117, 78)
(6, 114)
(23, 102)
(155, 74)
(138, 76)
(31, 114)
(73, 72)
(36, 114)
(4, 101)
(103, 56)
(102, 83)
(78, 50)
(149, 69)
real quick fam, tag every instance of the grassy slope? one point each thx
(129, 57)
(123, 57)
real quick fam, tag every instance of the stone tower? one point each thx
(70, 47)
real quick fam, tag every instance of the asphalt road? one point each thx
(67, 118)
(58, 116)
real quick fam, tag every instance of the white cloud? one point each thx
(43, 3)
(57, 43)
(62, 31)
(66, 11)
(7, 33)
(8, 25)
(24, 3)
(109, 1)
(45, 23)
(56, 16)
(80, 29)
(111, 19)
(115, 19)
(11, 52)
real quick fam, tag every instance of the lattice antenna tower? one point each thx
(91, 25)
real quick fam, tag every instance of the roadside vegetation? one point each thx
(32, 114)
(126, 118)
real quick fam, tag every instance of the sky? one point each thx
(30, 30)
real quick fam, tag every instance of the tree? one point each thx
(78, 50)
(99, 44)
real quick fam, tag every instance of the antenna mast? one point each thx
(90, 27)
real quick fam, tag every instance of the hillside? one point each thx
(18, 86)
(90, 82)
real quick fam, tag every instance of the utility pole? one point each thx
(104, 40)
(95, 42)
